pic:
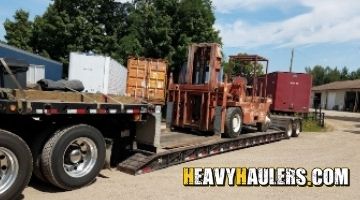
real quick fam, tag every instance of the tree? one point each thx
(344, 74)
(144, 28)
(91, 26)
(165, 28)
(332, 75)
(193, 23)
(318, 74)
(19, 31)
(325, 75)
(70, 26)
(355, 74)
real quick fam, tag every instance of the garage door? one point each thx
(331, 100)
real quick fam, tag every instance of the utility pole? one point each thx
(292, 59)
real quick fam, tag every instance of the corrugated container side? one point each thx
(290, 91)
(271, 88)
(147, 79)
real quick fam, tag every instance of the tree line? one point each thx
(323, 75)
(143, 28)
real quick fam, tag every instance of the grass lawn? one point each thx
(310, 125)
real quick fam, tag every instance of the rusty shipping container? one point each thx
(147, 79)
(290, 91)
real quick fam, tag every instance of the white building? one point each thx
(340, 95)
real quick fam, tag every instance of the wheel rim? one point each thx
(9, 168)
(236, 123)
(80, 157)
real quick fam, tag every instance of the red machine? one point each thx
(290, 92)
(207, 103)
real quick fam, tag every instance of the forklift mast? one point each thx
(204, 64)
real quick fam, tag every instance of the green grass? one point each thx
(310, 125)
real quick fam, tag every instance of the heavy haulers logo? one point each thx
(242, 176)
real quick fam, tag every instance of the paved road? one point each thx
(339, 148)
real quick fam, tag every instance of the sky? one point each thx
(324, 32)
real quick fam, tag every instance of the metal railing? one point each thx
(318, 116)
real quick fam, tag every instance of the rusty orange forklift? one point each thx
(205, 102)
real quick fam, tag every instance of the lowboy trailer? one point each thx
(59, 137)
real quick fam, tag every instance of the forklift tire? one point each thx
(233, 122)
(262, 127)
(16, 165)
(296, 128)
(73, 156)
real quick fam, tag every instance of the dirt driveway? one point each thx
(339, 148)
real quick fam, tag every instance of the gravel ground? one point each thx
(339, 148)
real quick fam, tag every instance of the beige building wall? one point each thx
(330, 99)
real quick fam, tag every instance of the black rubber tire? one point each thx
(262, 127)
(230, 113)
(288, 129)
(52, 156)
(22, 152)
(36, 147)
(296, 128)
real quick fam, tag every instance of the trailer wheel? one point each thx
(289, 129)
(73, 156)
(296, 129)
(36, 148)
(15, 165)
(233, 122)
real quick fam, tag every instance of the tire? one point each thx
(288, 129)
(18, 170)
(261, 127)
(233, 128)
(36, 147)
(296, 128)
(73, 157)
(264, 126)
